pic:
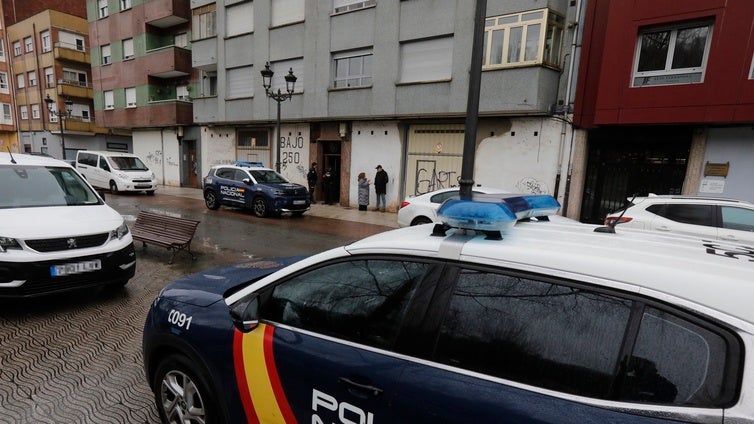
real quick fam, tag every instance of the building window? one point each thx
(751, 69)
(353, 69)
(79, 44)
(239, 19)
(24, 113)
(426, 60)
(131, 97)
(128, 48)
(85, 115)
(102, 8)
(106, 54)
(74, 77)
(209, 83)
(109, 100)
(240, 82)
(46, 43)
(20, 81)
(286, 12)
(17, 48)
(181, 40)
(125, 4)
(4, 88)
(7, 116)
(672, 55)
(32, 76)
(341, 6)
(204, 22)
(35, 112)
(281, 69)
(49, 77)
(2, 50)
(28, 45)
(522, 39)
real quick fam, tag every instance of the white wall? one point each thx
(376, 143)
(731, 145)
(294, 152)
(160, 152)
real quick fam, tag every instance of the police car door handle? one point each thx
(375, 391)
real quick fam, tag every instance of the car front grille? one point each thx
(68, 243)
(142, 181)
(295, 191)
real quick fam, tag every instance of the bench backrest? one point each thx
(165, 224)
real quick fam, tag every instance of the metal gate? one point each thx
(434, 159)
(632, 163)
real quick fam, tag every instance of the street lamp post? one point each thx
(60, 114)
(279, 97)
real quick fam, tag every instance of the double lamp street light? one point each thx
(62, 114)
(279, 97)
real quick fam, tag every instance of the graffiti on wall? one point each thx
(156, 158)
(429, 178)
(531, 185)
(291, 151)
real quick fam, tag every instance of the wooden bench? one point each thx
(171, 232)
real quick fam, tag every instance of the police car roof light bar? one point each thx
(248, 164)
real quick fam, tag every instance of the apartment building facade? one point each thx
(386, 82)
(51, 76)
(666, 101)
(141, 63)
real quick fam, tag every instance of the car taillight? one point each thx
(404, 204)
(611, 220)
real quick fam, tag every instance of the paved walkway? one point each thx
(388, 219)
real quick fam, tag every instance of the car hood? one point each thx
(284, 186)
(207, 287)
(57, 221)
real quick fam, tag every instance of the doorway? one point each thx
(189, 165)
(332, 161)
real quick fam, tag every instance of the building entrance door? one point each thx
(189, 165)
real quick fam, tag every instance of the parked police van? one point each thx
(56, 233)
(116, 171)
(484, 318)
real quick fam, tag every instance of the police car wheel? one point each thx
(421, 220)
(113, 187)
(259, 206)
(182, 394)
(210, 199)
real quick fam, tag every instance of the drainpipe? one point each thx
(162, 152)
(575, 43)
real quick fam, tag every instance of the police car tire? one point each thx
(259, 206)
(113, 188)
(211, 200)
(180, 364)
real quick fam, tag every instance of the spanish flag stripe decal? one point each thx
(277, 387)
(243, 387)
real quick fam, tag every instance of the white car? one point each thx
(482, 319)
(422, 209)
(713, 218)
(56, 233)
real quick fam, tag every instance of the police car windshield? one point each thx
(37, 186)
(264, 176)
(125, 163)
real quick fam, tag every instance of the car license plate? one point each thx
(75, 268)
(299, 202)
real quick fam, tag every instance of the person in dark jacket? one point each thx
(328, 185)
(311, 178)
(380, 188)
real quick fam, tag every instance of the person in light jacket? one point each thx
(363, 191)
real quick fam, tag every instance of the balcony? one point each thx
(168, 62)
(76, 89)
(167, 13)
(71, 52)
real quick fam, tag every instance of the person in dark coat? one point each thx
(328, 185)
(363, 191)
(380, 187)
(311, 178)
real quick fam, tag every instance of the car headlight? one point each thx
(9, 243)
(119, 232)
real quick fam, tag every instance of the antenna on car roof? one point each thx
(13, 161)
(610, 228)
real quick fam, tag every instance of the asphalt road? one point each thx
(76, 358)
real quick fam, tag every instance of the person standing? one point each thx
(327, 185)
(380, 187)
(311, 178)
(363, 191)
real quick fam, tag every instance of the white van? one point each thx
(56, 233)
(116, 171)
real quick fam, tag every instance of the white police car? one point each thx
(56, 233)
(250, 185)
(473, 320)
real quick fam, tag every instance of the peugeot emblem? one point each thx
(71, 243)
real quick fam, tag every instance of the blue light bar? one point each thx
(495, 212)
(248, 164)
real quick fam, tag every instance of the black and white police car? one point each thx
(472, 320)
(250, 185)
(56, 233)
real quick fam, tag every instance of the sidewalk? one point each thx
(388, 219)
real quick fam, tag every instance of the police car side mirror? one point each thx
(247, 181)
(245, 313)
